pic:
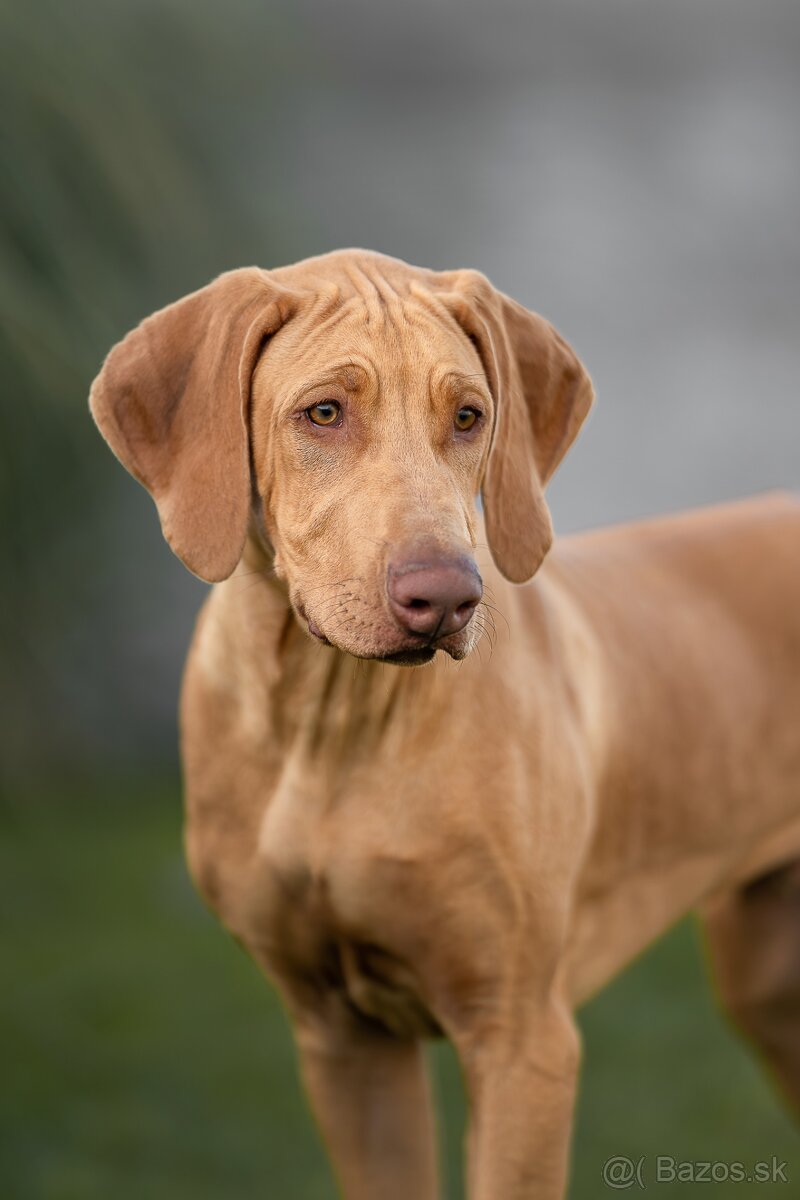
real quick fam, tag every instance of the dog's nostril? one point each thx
(418, 604)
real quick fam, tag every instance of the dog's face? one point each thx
(349, 410)
(369, 438)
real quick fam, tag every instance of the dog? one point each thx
(594, 741)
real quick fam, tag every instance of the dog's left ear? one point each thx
(542, 393)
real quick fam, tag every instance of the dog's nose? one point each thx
(433, 597)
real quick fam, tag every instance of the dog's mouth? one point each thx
(314, 629)
(409, 658)
(408, 650)
(414, 653)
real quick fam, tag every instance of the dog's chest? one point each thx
(333, 903)
(326, 958)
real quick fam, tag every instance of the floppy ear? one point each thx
(542, 394)
(172, 402)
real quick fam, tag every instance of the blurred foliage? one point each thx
(144, 1054)
(118, 196)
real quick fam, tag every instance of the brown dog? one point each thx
(462, 849)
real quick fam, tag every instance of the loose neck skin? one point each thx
(318, 698)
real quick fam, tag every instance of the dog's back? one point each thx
(736, 565)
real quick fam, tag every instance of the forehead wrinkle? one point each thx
(457, 381)
(413, 365)
(438, 321)
(446, 360)
(353, 373)
(406, 359)
(429, 305)
(340, 312)
(375, 290)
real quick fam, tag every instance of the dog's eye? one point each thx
(326, 413)
(465, 418)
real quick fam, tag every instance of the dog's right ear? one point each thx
(542, 394)
(172, 402)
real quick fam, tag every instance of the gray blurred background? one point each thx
(629, 169)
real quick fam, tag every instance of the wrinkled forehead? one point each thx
(371, 337)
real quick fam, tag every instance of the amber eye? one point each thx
(465, 418)
(326, 413)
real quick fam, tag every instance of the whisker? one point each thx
(338, 584)
(484, 634)
(331, 613)
(487, 617)
(494, 609)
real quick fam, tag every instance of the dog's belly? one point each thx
(610, 929)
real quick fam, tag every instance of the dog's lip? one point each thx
(412, 656)
(416, 651)
(314, 628)
(421, 650)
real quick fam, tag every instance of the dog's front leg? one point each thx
(370, 1095)
(520, 1079)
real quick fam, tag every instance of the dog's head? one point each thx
(349, 410)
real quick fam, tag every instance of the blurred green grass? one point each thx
(144, 1055)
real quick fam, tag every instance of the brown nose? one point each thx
(435, 597)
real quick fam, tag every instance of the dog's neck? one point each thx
(319, 695)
